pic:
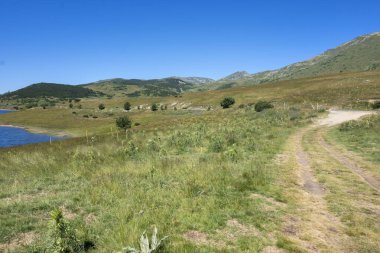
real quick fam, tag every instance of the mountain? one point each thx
(236, 76)
(135, 87)
(51, 90)
(196, 80)
(360, 54)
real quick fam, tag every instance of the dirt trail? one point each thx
(336, 117)
(322, 228)
(310, 184)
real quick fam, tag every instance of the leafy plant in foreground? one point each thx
(64, 238)
(145, 246)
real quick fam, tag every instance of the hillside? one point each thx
(136, 87)
(51, 90)
(236, 76)
(360, 54)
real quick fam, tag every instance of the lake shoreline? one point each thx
(45, 131)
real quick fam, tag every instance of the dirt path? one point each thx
(310, 184)
(323, 230)
(336, 117)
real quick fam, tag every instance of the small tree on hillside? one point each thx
(123, 122)
(154, 107)
(227, 102)
(127, 106)
(102, 107)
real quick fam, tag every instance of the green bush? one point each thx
(123, 122)
(102, 107)
(154, 107)
(262, 105)
(227, 102)
(127, 106)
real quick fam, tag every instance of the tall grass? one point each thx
(191, 176)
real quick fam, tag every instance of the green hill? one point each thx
(51, 90)
(360, 54)
(137, 87)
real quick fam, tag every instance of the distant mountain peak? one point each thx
(236, 76)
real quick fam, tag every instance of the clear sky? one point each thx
(79, 41)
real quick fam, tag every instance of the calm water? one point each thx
(11, 136)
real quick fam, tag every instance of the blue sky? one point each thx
(79, 41)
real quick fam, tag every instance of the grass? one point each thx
(361, 137)
(348, 197)
(350, 90)
(193, 176)
(207, 179)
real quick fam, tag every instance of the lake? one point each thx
(13, 136)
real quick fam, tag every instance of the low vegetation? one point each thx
(191, 180)
(360, 136)
(123, 122)
(262, 105)
(227, 102)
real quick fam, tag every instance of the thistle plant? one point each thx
(145, 246)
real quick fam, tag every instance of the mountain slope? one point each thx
(360, 54)
(136, 87)
(196, 80)
(51, 90)
(236, 76)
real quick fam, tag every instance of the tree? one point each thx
(102, 107)
(123, 122)
(154, 107)
(262, 105)
(227, 102)
(127, 106)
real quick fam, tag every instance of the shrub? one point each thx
(123, 122)
(154, 107)
(127, 106)
(63, 237)
(102, 107)
(227, 102)
(376, 105)
(262, 105)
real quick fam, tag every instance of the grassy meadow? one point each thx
(210, 184)
(208, 178)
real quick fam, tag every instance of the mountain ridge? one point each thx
(360, 54)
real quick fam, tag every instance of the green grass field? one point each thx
(191, 180)
(212, 180)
